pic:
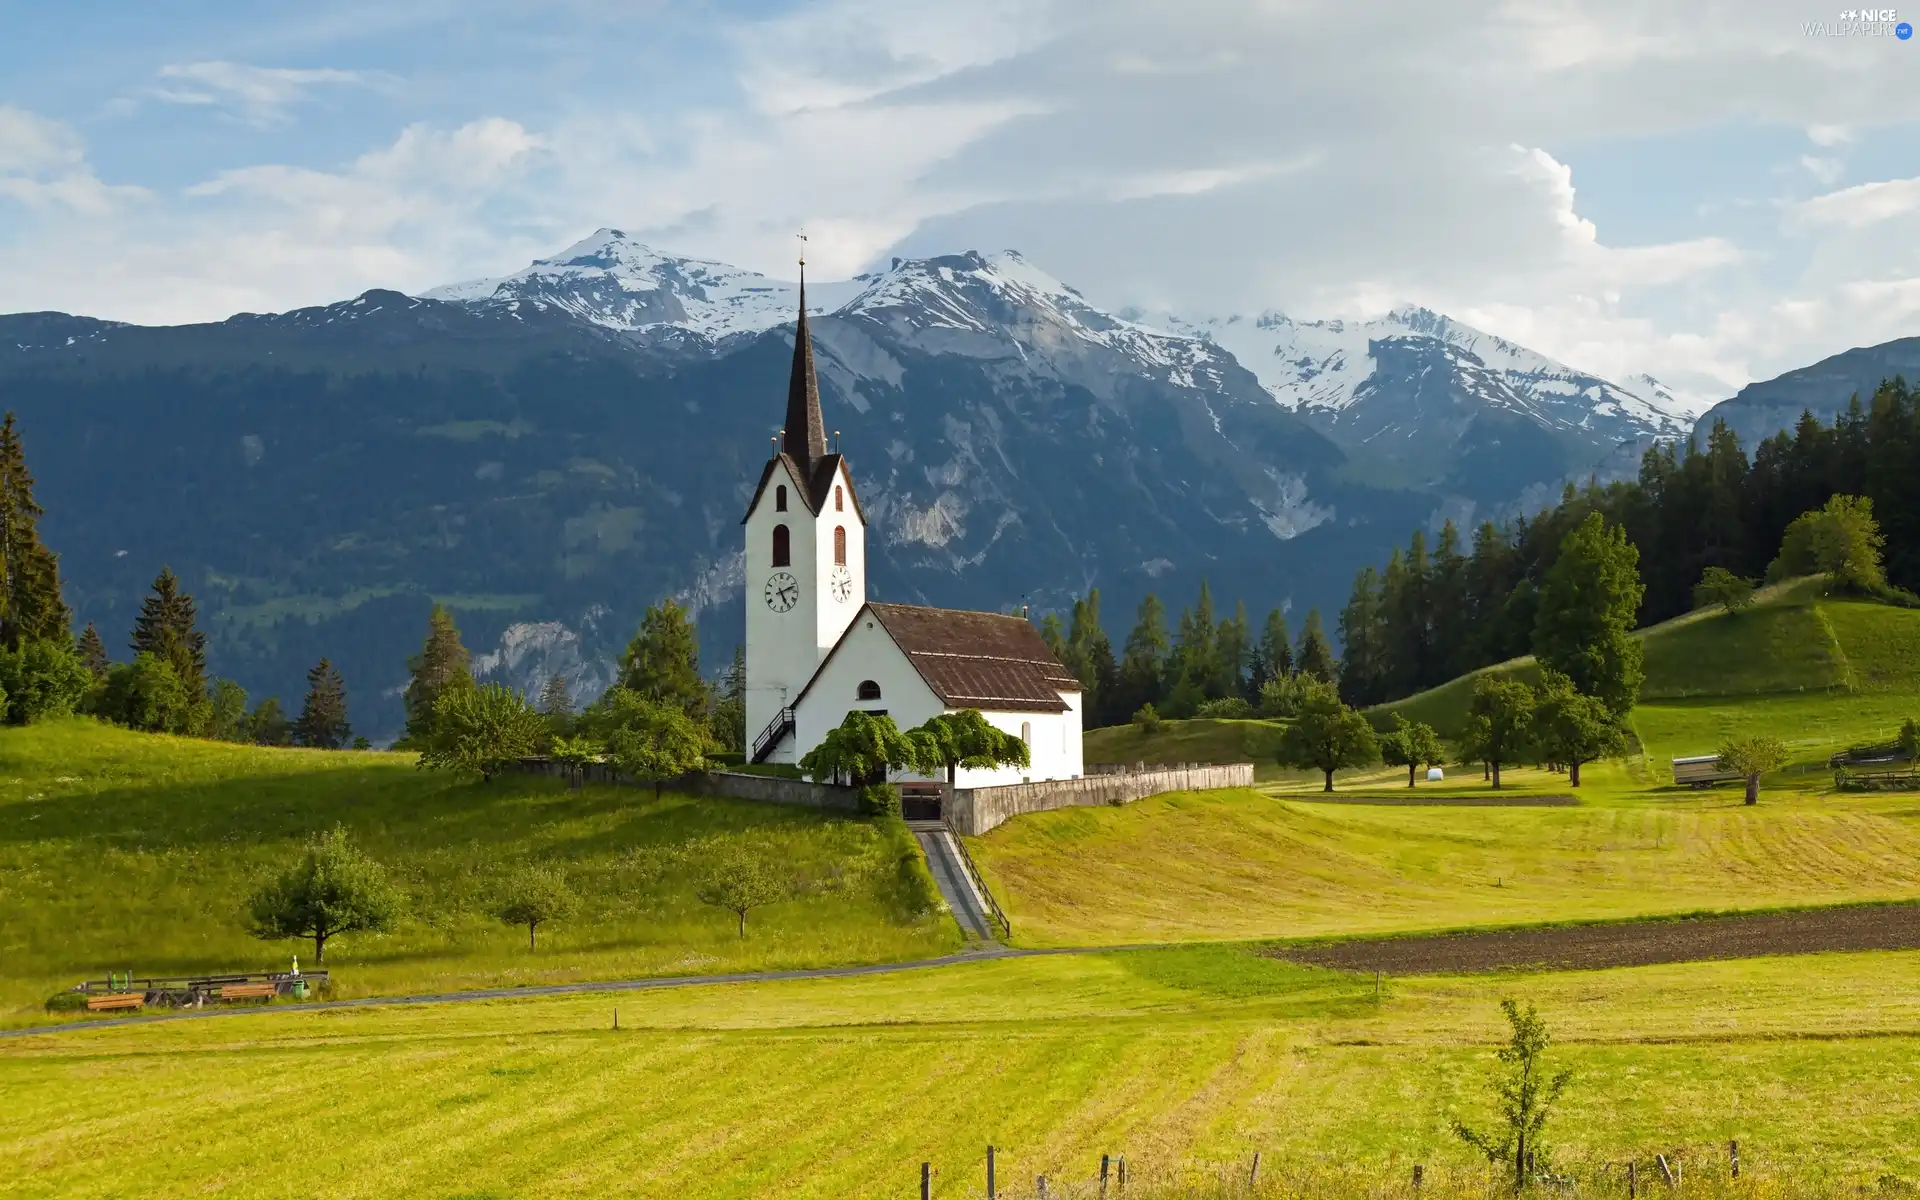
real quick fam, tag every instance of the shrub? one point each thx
(1227, 708)
(1147, 720)
(1281, 696)
(66, 1002)
(880, 800)
(43, 679)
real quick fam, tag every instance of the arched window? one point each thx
(839, 545)
(780, 498)
(782, 547)
(838, 505)
(868, 690)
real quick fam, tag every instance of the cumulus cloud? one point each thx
(43, 166)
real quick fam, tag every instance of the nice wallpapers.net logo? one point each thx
(1861, 22)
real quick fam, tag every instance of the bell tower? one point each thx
(805, 559)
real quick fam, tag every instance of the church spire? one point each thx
(806, 435)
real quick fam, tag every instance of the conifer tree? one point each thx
(556, 699)
(1273, 656)
(1143, 665)
(662, 662)
(1093, 660)
(1364, 672)
(323, 717)
(165, 629)
(31, 607)
(1232, 646)
(93, 652)
(1316, 654)
(442, 663)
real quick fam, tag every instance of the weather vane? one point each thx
(802, 235)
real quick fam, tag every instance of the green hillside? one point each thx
(127, 851)
(1201, 740)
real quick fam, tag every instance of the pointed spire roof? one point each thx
(806, 435)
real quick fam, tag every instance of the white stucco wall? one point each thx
(1053, 743)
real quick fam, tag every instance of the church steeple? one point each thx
(806, 435)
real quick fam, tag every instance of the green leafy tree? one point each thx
(662, 662)
(657, 742)
(323, 717)
(1411, 745)
(31, 606)
(573, 754)
(1840, 540)
(1753, 757)
(1147, 719)
(1281, 695)
(333, 889)
(1315, 657)
(93, 652)
(1327, 735)
(1499, 723)
(481, 731)
(1910, 738)
(534, 896)
(966, 739)
(1721, 588)
(267, 724)
(165, 629)
(730, 705)
(146, 694)
(227, 711)
(739, 881)
(862, 749)
(1588, 606)
(1570, 729)
(43, 678)
(442, 665)
(1526, 1094)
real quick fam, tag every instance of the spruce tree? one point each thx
(1232, 646)
(93, 652)
(1365, 671)
(1093, 662)
(31, 607)
(442, 663)
(1144, 662)
(1316, 654)
(556, 699)
(323, 717)
(662, 662)
(165, 629)
(1273, 656)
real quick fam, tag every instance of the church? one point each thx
(817, 648)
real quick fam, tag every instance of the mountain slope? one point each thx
(1760, 410)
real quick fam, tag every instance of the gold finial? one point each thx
(803, 246)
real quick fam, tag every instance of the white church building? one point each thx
(817, 648)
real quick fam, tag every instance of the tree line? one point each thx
(1439, 609)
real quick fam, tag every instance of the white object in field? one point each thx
(1435, 775)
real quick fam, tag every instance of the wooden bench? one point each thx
(247, 991)
(116, 1000)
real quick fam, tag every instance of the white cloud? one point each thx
(43, 166)
(1862, 204)
(260, 94)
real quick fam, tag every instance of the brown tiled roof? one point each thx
(975, 659)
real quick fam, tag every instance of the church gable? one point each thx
(988, 661)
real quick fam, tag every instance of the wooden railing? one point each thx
(995, 913)
(779, 727)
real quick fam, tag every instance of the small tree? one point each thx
(1315, 659)
(1570, 729)
(333, 889)
(1840, 540)
(740, 881)
(1499, 723)
(1281, 695)
(657, 742)
(1411, 745)
(43, 678)
(93, 652)
(1910, 738)
(1327, 735)
(1719, 586)
(966, 739)
(443, 665)
(862, 749)
(1526, 1095)
(147, 694)
(480, 730)
(323, 716)
(662, 662)
(1147, 719)
(227, 711)
(1753, 757)
(267, 725)
(556, 705)
(574, 753)
(534, 896)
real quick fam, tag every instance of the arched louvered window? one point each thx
(839, 504)
(782, 547)
(868, 690)
(839, 545)
(780, 498)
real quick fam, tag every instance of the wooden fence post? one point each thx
(1041, 1184)
(1123, 1174)
(1253, 1176)
(1419, 1174)
(1733, 1157)
(1633, 1183)
(926, 1181)
(1105, 1163)
(1666, 1170)
(990, 1192)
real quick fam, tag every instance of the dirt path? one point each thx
(1626, 944)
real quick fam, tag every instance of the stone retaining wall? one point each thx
(768, 789)
(973, 811)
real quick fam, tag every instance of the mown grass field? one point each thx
(1253, 864)
(1201, 740)
(125, 851)
(828, 1088)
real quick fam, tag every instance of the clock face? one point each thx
(842, 584)
(783, 591)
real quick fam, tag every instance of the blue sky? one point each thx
(1702, 191)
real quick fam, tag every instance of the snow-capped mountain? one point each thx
(615, 282)
(1333, 370)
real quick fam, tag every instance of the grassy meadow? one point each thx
(1201, 740)
(126, 851)
(1185, 1060)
